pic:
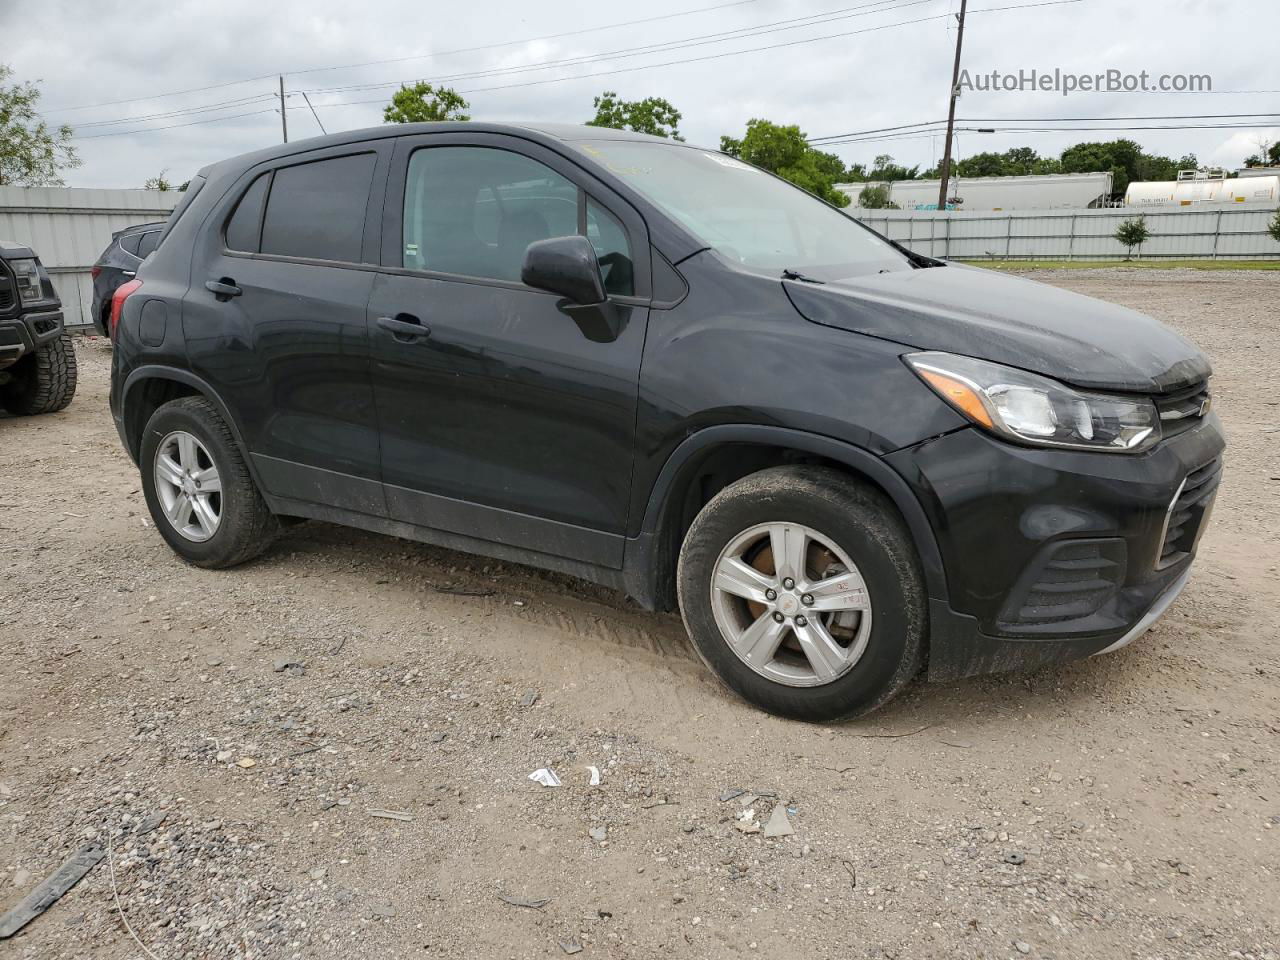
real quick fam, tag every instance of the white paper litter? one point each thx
(595, 776)
(545, 776)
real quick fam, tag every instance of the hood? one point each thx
(1011, 320)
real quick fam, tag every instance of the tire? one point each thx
(44, 381)
(245, 526)
(879, 648)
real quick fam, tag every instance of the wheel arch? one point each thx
(148, 388)
(714, 457)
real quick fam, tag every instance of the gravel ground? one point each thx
(235, 735)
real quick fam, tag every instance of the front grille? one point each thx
(1188, 513)
(1182, 410)
(1073, 580)
(6, 289)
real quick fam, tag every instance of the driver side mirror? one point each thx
(567, 266)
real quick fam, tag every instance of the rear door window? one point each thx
(130, 243)
(316, 210)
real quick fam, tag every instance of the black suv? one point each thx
(656, 367)
(37, 361)
(118, 264)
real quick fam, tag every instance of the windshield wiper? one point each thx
(789, 274)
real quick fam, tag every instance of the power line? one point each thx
(442, 53)
(186, 111)
(1043, 120)
(720, 56)
(777, 26)
(677, 43)
(173, 126)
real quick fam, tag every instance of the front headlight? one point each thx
(27, 274)
(1028, 408)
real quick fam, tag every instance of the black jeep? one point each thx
(37, 362)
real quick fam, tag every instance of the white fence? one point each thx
(1219, 233)
(69, 228)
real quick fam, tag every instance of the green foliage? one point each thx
(32, 153)
(784, 151)
(885, 169)
(423, 103)
(652, 115)
(158, 182)
(1273, 227)
(1272, 157)
(876, 198)
(1133, 233)
(1126, 161)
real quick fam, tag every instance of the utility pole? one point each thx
(945, 170)
(284, 120)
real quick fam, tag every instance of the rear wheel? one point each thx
(43, 381)
(801, 590)
(198, 488)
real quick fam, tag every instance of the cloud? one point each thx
(835, 85)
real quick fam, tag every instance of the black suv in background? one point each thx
(654, 366)
(119, 264)
(37, 362)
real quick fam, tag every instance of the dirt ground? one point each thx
(1126, 806)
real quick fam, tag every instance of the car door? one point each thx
(506, 414)
(275, 320)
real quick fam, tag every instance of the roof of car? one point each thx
(564, 132)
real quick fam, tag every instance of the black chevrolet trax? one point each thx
(656, 367)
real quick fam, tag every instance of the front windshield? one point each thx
(744, 214)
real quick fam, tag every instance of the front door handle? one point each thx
(223, 289)
(405, 327)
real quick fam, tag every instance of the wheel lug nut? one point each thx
(807, 599)
(778, 618)
(788, 582)
(771, 594)
(801, 621)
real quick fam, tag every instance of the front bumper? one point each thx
(1052, 555)
(26, 332)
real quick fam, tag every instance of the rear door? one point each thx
(505, 414)
(276, 321)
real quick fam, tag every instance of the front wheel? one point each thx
(802, 591)
(44, 381)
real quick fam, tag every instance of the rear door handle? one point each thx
(129, 273)
(405, 327)
(223, 289)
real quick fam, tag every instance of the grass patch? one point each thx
(1134, 264)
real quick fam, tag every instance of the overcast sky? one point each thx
(890, 73)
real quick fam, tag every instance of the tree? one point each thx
(422, 103)
(1268, 159)
(876, 198)
(1133, 233)
(32, 153)
(652, 115)
(783, 150)
(1273, 227)
(885, 169)
(158, 182)
(1120, 157)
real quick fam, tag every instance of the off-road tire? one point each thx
(44, 381)
(866, 525)
(247, 527)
